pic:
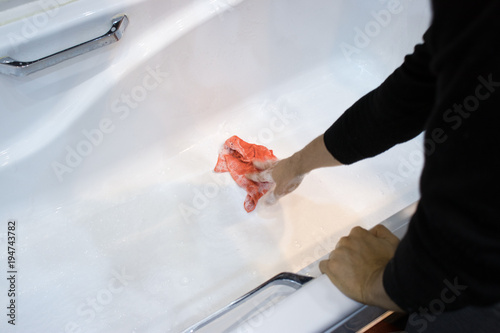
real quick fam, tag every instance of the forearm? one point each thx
(314, 156)
(394, 112)
(288, 173)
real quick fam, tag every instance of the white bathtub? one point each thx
(106, 159)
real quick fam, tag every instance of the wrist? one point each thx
(299, 163)
(376, 294)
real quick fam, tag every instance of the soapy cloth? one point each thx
(236, 157)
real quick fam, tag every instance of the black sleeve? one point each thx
(394, 112)
(450, 257)
(450, 88)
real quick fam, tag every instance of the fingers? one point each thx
(293, 184)
(351, 265)
(264, 165)
(265, 168)
(381, 231)
(358, 231)
(280, 174)
(270, 198)
(261, 177)
(323, 267)
(378, 231)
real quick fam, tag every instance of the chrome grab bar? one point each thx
(13, 67)
(287, 279)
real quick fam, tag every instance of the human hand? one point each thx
(282, 174)
(357, 264)
(286, 175)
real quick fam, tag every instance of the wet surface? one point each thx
(122, 224)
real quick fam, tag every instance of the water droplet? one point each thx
(184, 281)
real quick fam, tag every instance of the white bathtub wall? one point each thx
(106, 160)
(34, 103)
(11, 4)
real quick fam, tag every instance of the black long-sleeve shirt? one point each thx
(449, 88)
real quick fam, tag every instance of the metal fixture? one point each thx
(13, 67)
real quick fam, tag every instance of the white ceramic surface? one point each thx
(106, 160)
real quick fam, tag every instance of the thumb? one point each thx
(270, 197)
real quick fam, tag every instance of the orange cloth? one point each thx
(236, 157)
